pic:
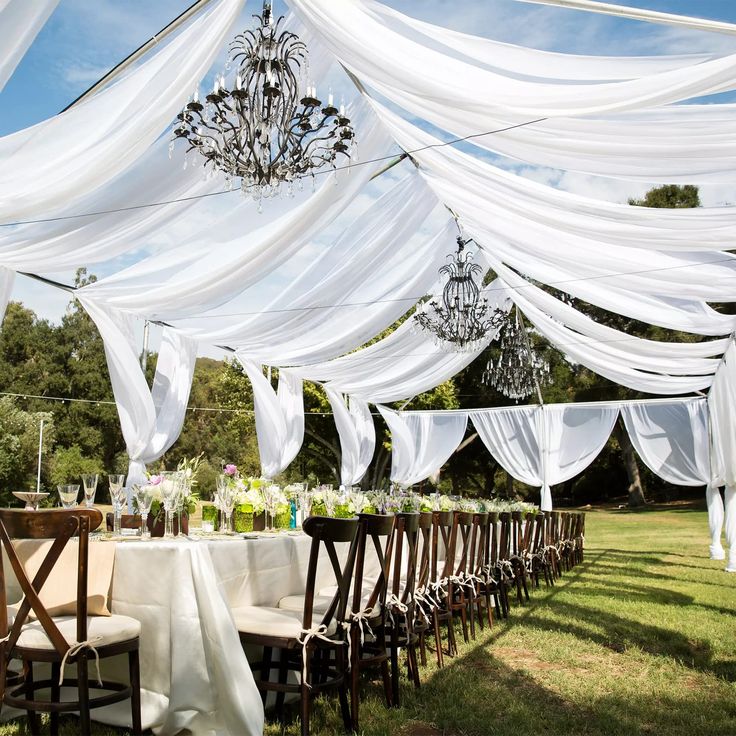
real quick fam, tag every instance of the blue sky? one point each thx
(85, 38)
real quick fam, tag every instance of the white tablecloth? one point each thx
(194, 674)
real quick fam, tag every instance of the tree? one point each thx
(670, 196)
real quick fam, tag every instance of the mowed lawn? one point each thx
(640, 639)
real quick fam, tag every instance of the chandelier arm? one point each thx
(529, 349)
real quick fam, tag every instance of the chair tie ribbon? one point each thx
(75, 649)
(305, 636)
(422, 598)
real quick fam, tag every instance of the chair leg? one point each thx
(55, 695)
(355, 656)
(305, 702)
(437, 637)
(283, 676)
(134, 670)
(85, 727)
(423, 648)
(470, 607)
(32, 718)
(342, 689)
(464, 619)
(395, 667)
(385, 675)
(266, 670)
(413, 664)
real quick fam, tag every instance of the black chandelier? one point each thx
(263, 129)
(519, 370)
(463, 319)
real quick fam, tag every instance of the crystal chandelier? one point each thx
(519, 370)
(463, 318)
(262, 128)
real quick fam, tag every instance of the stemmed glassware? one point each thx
(225, 501)
(271, 495)
(304, 500)
(170, 480)
(360, 500)
(89, 481)
(330, 499)
(144, 498)
(118, 498)
(68, 495)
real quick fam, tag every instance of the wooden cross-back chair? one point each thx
(483, 589)
(310, 642)
(400, 604)
(422, 594)
(463, 591)
(60, 640)
(495, 570)
(442, 560)
(518, 555)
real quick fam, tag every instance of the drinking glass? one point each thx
(68, 495)
(144, 499)
(304, 502)
(225, 502)
(89, 480)
(271, 499)
(184, 489)
(359, 500)
(330, 499)
(118, 498)
(169, 492)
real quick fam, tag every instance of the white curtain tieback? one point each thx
(75, 649)
(305, 636)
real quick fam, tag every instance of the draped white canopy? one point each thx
(216, 271)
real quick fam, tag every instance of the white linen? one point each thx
(545, 445)
(20, 21)
(195, 676)
(357, 434)
(671, 438)
(279, 417)
(212, 266)
(652, 16)
(688, 144)
(385, 59)
(730, 527)
(716, 515)
(68, 155)
(150, 420)
(422, 442)
(721, 402)
(7, 278)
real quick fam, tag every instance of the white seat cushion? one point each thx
(110, 629)
(273, 621)
(321, 601)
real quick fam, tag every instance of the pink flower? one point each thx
(154, 480)
(231, 470)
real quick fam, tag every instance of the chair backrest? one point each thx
(504, 545)
(442, 543)
(539, 539)
(492, 538)
(378, 528)
(404, 576)
(327, 532)
(477, 559)
(59, 525)
(463, 525)
(517, 539)
(424, 555)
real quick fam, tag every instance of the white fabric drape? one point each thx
(357, 434)
(422, 442)
(652, 16)
(545, 445)
(64, 157)
(7, 278)
(150, 420)
(716, 515)
(20, 21)
(279, 417)
(212, 266)
(388, 61)
(689, 144)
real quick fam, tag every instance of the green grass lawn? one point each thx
(640, 639)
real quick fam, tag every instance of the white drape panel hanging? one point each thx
(721, 403)
(210, 268)
(422, 442)
(150, 420)
(652, 16)
(64, 157)
(279, 417)
(20, 21)
(7, 278)
(357, 436)
(387, 60)
(671, 438)
(692, 144)
(543, 446)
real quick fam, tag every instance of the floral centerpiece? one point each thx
(186, 502)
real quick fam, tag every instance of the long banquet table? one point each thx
(195, 677)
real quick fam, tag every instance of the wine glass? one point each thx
(169, 492)
(330, 499)
(225, 501)
(271, 499)
(304, 500)
(144, 499)
(68, 495)
(360, 501)
(89, 480)
(117, 496)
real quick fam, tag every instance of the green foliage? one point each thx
(19, 432)
(670, 196)
(68, 465)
